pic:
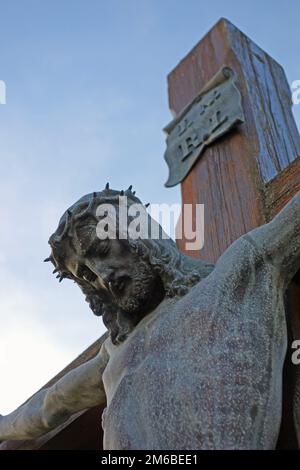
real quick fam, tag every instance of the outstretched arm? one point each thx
(279, 240)
(81, 388)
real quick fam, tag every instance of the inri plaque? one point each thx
(215, 111)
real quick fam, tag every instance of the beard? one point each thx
(139, 289)
(123, 308)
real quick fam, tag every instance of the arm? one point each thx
(81, 388)
(279, 240)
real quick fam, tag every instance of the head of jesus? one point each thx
(123, 275)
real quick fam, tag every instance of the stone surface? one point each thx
(199, 369)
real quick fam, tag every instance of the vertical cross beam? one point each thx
(232, 176)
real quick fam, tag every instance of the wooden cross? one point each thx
(250, 173)
(244, 178)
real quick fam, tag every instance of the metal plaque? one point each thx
(215, 111)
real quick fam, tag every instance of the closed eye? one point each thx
(99, 247)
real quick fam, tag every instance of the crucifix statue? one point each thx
(195, 352)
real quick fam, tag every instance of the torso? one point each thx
(203, 371)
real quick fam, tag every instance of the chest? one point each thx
(222, 317)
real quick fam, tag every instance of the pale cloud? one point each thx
(35, 345)
(29, 355)
(44, 325)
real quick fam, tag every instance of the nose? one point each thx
(107, 271)
(107, 275)
(110, 277)
(104, 273)
(114, 280)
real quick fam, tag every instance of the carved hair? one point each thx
(177, 271)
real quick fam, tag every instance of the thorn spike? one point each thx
(130, 188)
(147, 205)
(57, 276)
(55, 271)
(61, 278)
(133, 192)
(122, 193)
(46, 260)
(107, 186)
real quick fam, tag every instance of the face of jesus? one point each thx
(111, 267)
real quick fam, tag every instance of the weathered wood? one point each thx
(82, 431)
(230, 177)
(282, 188)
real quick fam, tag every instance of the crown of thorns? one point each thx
(78, 211)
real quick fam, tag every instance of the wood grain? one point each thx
(229, 179)
(281, 189)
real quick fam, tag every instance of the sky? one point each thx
(86, 101)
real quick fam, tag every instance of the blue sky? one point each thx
(86, 104)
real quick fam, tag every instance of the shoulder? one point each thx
(243, 254)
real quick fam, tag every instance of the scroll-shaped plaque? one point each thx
(215, 111)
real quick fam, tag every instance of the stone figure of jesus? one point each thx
(195, 352)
